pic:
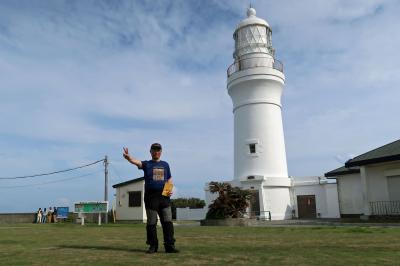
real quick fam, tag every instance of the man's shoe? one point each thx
(171, 249)
(152, 249)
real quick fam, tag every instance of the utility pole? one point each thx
(106, 185)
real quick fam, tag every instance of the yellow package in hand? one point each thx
(167, 189)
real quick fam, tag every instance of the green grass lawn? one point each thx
(124, 244)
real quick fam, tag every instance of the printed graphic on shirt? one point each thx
(158, 174)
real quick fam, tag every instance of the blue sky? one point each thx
(81, 79)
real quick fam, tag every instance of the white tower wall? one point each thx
(258, 120)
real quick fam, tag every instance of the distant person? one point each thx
(44, 215)
(156, 174)
(54, 214)
(50, 215)
(39, 216)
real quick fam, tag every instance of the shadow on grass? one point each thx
(103, 248)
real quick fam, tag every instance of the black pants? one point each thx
(156, 204)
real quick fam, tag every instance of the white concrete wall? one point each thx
(277, 201)
(123, 211)
(354, 198)
(332, 201)
(394, 188)
(377, 180)
(377, 183)
(188, 214)
(350, 194)
(326, 199)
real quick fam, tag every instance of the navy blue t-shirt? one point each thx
(156, 174)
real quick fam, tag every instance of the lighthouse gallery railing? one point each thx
(253, 63)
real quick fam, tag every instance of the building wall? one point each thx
(382, 185)
(377, 180)
(350, 194)
(377, 183)
(332, 201)
(394, 188)
(123, 211)
(326, 199)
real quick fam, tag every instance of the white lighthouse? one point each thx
(255, 84)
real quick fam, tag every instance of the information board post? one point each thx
(93, 207)
(106, 186)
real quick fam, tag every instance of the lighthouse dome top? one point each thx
(252, 37)
(252, 20)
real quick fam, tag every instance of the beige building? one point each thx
(130, 200)
(369, 184)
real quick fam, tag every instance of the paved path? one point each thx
(307, 223)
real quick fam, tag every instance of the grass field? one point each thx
(71, 244)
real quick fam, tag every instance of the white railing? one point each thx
(254, 62)
(382, 208)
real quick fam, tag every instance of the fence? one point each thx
(381, 208)
(190, 214)
(253, 63)
(259, 215)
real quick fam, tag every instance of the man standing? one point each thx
(156, 174)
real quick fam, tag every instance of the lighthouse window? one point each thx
(252, 148)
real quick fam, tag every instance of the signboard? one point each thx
(91, 207)
(62, 212)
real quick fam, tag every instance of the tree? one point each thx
(231, 202)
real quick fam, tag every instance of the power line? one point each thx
(56, 172)
(54, 181)
(115, 171)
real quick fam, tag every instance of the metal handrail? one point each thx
(385, 207)
(244, 64)
(257, 214)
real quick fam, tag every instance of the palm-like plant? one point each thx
(231, 202)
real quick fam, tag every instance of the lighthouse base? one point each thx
(273, 202)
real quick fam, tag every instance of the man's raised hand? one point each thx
(126, 153)
(131, 159)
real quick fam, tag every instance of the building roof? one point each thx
(128, 182)
(342, 171)
(386, 153)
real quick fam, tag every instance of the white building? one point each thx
(310, 198)
(314, 197)
(369, 184)
(129, 199)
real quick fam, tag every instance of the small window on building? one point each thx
(252, 148)
(135, 198)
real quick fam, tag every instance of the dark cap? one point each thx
(156, 147)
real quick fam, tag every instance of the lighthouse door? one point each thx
(254, 204)
(306, 206)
